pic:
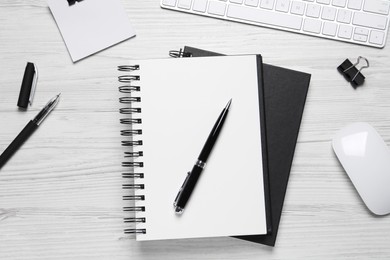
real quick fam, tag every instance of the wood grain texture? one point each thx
(60, 195)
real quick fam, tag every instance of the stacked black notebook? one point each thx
(243, 190)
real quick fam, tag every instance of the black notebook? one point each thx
(285, 94)
(169, 108)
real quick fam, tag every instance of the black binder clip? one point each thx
(351, 73)
(179, 54)
(72, 2)
(29, 84)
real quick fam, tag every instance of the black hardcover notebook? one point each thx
(285, 94)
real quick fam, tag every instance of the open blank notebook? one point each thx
(180, 100)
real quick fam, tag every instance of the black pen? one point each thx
(193, 176)
(28, 130)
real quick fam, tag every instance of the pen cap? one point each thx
(28, 85)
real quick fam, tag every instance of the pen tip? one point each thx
(228, 104)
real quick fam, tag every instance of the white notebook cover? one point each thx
(181, 100)
(90, 26)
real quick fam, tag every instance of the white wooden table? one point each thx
(60, 195)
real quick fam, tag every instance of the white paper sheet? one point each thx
(90, 26)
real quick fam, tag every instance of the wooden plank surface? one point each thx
(60, 195)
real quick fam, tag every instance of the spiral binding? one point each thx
(128, 86)
(179, 54)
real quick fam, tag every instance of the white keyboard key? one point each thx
(345, 31)
(363, 31)
(266, 17)
(377, 6)
(185, 4)
(340, 3)
(298, 7)
(329, 29)
(344, 16)
(325, 2)
(267, 4)
(253, 3)
(313, 10)
(169, 2)
(376, 37)
(312, 25)
(236, 1)
(200, 5)
(355, 4)
(282, 5)
(370, 20)
(329, 13)
(360, 38)
(217, 8)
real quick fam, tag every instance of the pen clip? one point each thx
(33, 85)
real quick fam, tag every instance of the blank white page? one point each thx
(181, 99)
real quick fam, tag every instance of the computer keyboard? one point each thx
(363, 22)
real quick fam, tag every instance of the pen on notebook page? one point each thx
(193, 176)
(28, 130)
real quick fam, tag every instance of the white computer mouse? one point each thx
(366, 159)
